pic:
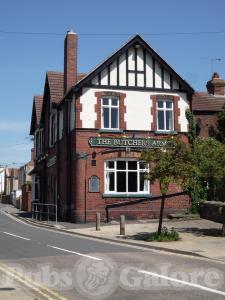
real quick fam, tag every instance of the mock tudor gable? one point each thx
(137, 65)
(137, 76)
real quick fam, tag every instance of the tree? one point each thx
(209, 158)
(171, 164)
(221, 125)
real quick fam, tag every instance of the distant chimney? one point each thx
(70, 60)
(216, 85)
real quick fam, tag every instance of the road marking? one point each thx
(38, 288)
(20, 237)
(184, 282)
(77, 253)
(117, 243)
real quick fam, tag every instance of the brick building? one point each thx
(206, 106)
(92, 128)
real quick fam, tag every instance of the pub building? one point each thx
(90, 129)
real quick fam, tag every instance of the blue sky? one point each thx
(103, 26)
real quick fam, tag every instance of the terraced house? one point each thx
(92, 128)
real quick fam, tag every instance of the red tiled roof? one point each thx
(203, 101)
(38, 100)
(56, 84)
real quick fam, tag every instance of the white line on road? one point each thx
(20, 237)
(184, 282)
(77, 253)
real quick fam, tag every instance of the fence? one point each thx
(43, 211)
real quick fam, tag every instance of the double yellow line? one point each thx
(36, 287)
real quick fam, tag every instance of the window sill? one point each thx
(110, 130)
(129, 195)
(166, 132)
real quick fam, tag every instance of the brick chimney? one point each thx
(70, 60)
(216, 85)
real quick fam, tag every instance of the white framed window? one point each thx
(165, 115)
(126, 176)
(110, 113)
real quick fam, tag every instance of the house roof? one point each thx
(56, 84)
(203, 101)
(136, 39)
(36, 112)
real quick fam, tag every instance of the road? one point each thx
(53, 265)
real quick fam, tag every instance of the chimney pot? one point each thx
(216, 85)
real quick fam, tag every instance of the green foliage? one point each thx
(221, 126)
(165, 236)
(192, 134)
(209, 157)
(168, 165)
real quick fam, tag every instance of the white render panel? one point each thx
(113, 73)
(138, 108)
(158, 78)
(123, 78)
(131, 79)
(140, 80)
(138, 116)
(131, 59)
(166, 80)
(183, 105)
(149, 79)
(88, 115)
(95, 80)
(140, 59)
(104, 77)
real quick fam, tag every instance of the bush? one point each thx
(165, 236)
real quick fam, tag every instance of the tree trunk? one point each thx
(161, 213)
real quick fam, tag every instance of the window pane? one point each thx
(132, 182)
(168, 104)
(121, 181)
(111, 181)
(106, 117)
(160, 104)
(132, 165)
(161, 120)
(169, 120)
(121, 165)
(114, 102)
(110, 164)
(142, 165)
(114, 118)
(105, 101)
(142, 184)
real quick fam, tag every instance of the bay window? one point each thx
(125, 176)
(165, 115)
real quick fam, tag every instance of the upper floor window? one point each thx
(110, 113)
(165, 115)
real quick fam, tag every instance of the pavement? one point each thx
(197, 236)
